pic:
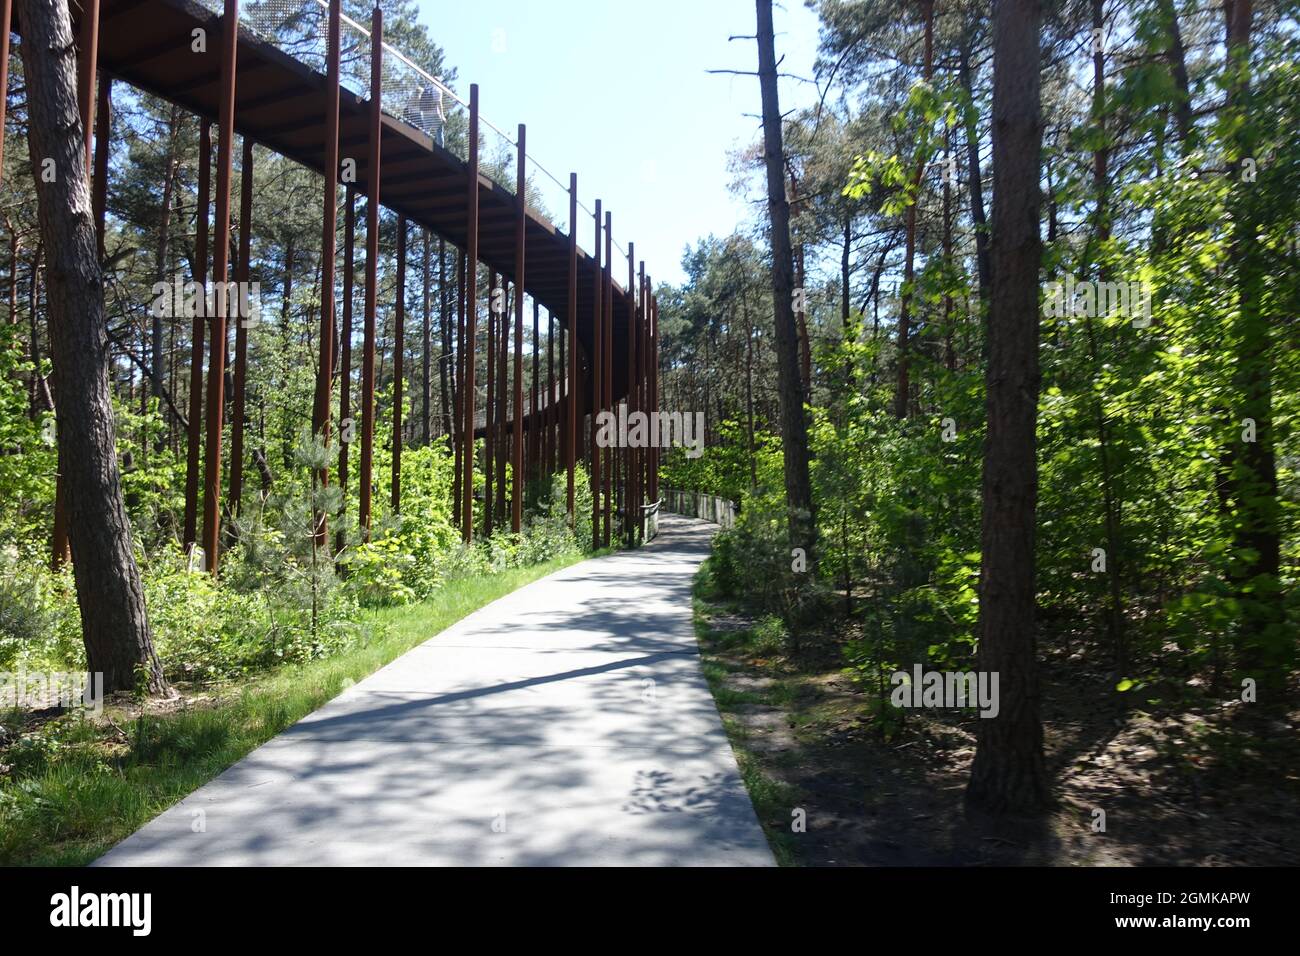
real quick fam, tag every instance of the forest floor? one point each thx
(1190, 784)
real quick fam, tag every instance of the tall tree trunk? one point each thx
(1102, 230)
(801, 317)
(983, 264)
(949, 353)
(1175, 53)
(794, 426)
(1264, 650)
(1009, 773)
(109, 594)
(34, 340)
(286, 338)
(749, 389)
(909, 256)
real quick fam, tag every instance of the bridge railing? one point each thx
(694, 504)
(408, 93)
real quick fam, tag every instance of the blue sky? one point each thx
(617, 92)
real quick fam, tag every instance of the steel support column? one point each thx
(197, 331)
(631, 501)
(458, 390)
(643, 391)
(536, 433)
(399, 346)
(241, 327)
(517, 456)
(654, 386)
(99, 184)
(345, 350)
(552, 409)
(571, 429)
(607, 366)
(372, 267)
(320, 424)
(471, 293)
(490, 413)
(597, 389)
(220, 267)
(87, 66)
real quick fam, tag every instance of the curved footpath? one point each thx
(568, 723)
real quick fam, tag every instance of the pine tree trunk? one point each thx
(1009, 774)
(902, 393)
(109, 592)
(978, 220)
(794, 427)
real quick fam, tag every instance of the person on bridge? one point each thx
(424, 112)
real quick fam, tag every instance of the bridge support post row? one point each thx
(372, 263)
(546, 386)
(490, 413)
(571, 407)
(502, 406)
(536, 432)
(320, 419)
(552, 418)
(631, 497)
(220, 268)
(642, 393)
(607, 367)
(517, 461)
(195, 435)
(561, 418)
(242, 268)
(399, 346)
(345, 348)
(597, 388)
(654, 385)
(458, 391)
(471, 321)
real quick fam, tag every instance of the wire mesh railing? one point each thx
(414, 96)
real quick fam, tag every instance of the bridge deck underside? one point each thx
(280, 103)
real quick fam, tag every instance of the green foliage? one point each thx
(38, 613)
(27, 454)
(730, 467)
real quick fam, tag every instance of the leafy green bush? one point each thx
(38, 613)
(211, 630)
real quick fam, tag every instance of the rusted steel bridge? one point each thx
(301, 78)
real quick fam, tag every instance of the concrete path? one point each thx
(568, 723)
